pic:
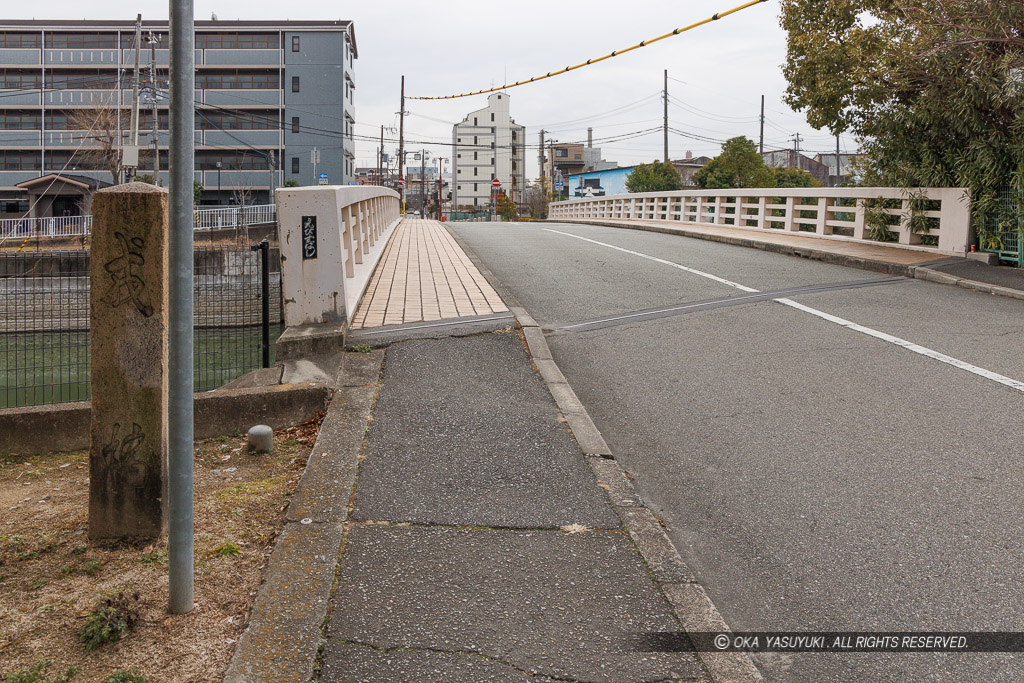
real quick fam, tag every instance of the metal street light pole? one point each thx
(219, 199)
(180, 408)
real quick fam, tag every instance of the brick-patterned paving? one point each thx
(424, 275)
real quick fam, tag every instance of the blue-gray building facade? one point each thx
(267, 94)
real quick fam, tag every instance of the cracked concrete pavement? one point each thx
(481, 547)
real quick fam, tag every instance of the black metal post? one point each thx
(265, 295)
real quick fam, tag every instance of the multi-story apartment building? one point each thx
(488, 144)
(267, 94)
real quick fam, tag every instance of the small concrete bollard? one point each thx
(261, 439)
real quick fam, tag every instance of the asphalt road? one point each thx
(814, 474)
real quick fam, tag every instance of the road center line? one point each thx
(903, 343)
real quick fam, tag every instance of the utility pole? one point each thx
(796, 148)
(838, 167)
(440, 184)
(380, 157)
(760, 144)
(540, 155)
(423, 182)
(401, 144)
(181, 110)
(153, 103)
(665, 125)
(133, 138)
(272, 163)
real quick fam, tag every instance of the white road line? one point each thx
(903, 343)
(658, 260)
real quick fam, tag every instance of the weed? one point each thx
(36, 674)
(15, 543)
(27, 555)
(155, 558)
(110, 619)
(125, 677)
(37, 584)
(227, 549)
(361, 348)
(79, 549)
(92, 567)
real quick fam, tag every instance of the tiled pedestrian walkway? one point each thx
(424, 275)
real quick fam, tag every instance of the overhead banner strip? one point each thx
(614, 53)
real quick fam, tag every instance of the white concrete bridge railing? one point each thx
(331, 239)
(926, 219)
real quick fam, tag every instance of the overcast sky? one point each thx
(717, 72)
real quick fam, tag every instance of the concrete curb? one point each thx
(786, 249)
(690, 603)
(65, 426)
(923, 273)
(285, 629)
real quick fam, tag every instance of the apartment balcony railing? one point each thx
(78, 226)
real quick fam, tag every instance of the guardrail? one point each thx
(927, 219)
(331, 239)
(78, 226)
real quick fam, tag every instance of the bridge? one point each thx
(825, 443)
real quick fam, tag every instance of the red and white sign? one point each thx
(401, 182)
(495, 183)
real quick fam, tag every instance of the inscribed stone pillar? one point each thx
(128, 366)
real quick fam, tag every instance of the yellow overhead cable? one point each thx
(614, 53)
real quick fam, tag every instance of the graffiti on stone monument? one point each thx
(125, 275)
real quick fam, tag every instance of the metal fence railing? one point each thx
(78, 226)
(44, 320)
(1000, 230)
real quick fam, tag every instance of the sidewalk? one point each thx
(480, 545)
(962, 272)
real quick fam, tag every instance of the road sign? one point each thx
(321, 179)
(401, 182)
(559, 185)
(495, 183)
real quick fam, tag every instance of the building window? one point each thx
(562, 153)
(475, 169)
(84, 41)
(458, 187)
(12, 160)
(20, 120)
(474, 140)
(492, 130)
(295, 43)
(459, 140)
(20, 40)
(474, 156)
(295, 164)
(492, 118)
(458, 156)
(227, 41)
(492, 145)
(474, 187)
(474, 120)
(492, 176)
(295, 84)
(295, 124)
(237, 79)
